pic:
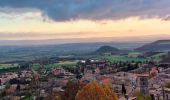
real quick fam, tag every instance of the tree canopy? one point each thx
(71, 90)
(95, 91)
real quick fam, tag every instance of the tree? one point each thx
(167, 85)
(94, 91)
(54, 96)
(71, 90)
(123, 89)
(111, 95)
(69, 84)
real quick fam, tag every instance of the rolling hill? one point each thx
(27, 53)
(160, 45)
(106, 49)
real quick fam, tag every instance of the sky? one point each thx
(71, 19)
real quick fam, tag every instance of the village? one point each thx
(84, 49)
(125, 78)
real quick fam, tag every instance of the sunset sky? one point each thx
(66, 19)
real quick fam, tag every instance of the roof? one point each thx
(167, 89)
(142, 75)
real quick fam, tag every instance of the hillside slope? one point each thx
(160, 45)
(106, 49)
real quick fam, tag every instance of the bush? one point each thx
(141, 96)
(167, 85)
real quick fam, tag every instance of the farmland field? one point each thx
(134, 54)
(123, 58)
(2, 66)
(60, 64)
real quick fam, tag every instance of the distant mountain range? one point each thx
(25, 53)
(160, 45)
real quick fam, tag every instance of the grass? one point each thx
(63, 63)
(55, 65)
(134, 54)
(3, 66)
(123, 58)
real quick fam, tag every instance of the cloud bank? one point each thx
(64, 10)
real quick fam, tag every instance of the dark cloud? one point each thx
(63, 10)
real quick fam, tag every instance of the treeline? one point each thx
(20, 66)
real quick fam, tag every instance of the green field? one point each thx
(60, 64)
(134, 54)
(4, 66)
(123, 58)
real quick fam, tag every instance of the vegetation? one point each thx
(167, 85)
(106, 49)
(160, 45)
(134, 54)
(94, 91)
(29, 53)
(141, 96)
(55, 65)
(157, 57)
(72, 89)
(2, 66)
(62, 64)
(122, 58)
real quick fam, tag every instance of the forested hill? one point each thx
(160, 45)
(106, 49)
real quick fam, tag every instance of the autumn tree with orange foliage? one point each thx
(95, 91)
